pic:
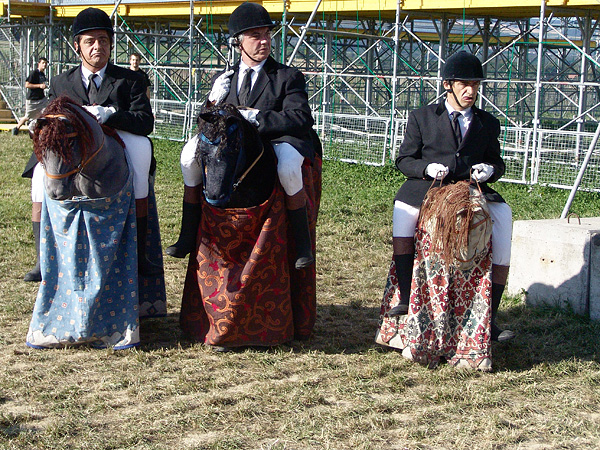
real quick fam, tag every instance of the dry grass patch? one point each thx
(337, 391)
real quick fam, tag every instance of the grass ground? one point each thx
(337, 391)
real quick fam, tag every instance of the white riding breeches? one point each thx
(139, 154)
(289, 166)
(405, 219)
(190, 169)
(37, 184)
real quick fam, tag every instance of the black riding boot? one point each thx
(192, 212)
(145, 267)
(35, 274)
(404, 266)
(299, 221)
(498, 335)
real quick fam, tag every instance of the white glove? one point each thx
(221, 87)
(482, 172)
(436, 171)
(101, 113)
(250, 115)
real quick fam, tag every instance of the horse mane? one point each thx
(450, 211)
(54, 134)
(216, 127)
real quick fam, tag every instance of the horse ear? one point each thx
(37, 125)
(205, 117)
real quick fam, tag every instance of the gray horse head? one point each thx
(79, 158)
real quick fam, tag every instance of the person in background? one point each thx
(451, 141)
(134, 64)
(36, 100)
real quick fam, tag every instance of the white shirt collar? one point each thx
(85, 73)
(244, 66)
(466, 113)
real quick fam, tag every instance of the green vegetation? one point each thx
(337, 391)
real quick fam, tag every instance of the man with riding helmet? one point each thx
(117, 98)
(277, 104)
(451, 141)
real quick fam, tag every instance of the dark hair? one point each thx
(42, 59)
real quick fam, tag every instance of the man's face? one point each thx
(464, 90)
(42, 65)
(134, 62)
(256, 43)
(94, 49)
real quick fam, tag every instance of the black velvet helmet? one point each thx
(463, 66)
(92, 19)
(248, 16)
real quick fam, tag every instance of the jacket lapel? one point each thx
(474, 128)
(444, 125)
(75, 80)
(264, 78)
(107, 85)
(232, 95)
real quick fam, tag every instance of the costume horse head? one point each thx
(80, 156)
(238, 170)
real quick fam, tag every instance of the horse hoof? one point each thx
(176, 252)
(219, 349)
(304, 261)
(33, 275)
(499, 335)
(398, 310)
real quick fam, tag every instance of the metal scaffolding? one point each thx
(367, 64)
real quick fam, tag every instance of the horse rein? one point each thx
(241, 178)
(84, 162)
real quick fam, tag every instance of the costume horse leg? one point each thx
(90, 292)
(241, 286)
(451, 312)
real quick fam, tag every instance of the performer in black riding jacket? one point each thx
(118, 99)
(432, 149)
(277, 103)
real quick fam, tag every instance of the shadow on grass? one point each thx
(544, 335)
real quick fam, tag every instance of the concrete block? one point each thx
(557, 262)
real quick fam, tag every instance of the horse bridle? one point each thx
(84, 162)
(242, 176)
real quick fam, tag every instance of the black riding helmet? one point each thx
(92, 19)
(248, 16)
(463, 66)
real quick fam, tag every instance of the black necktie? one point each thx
(246, 88)
(92, 89)
(456, 126)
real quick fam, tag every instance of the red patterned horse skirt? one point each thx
(241, 287)
(449, 314)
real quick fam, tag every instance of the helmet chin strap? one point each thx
(454, 95)
(246, 53)
(82, 56)
(451, 90)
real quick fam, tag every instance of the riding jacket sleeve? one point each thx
(134, 113)
(284, 108)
